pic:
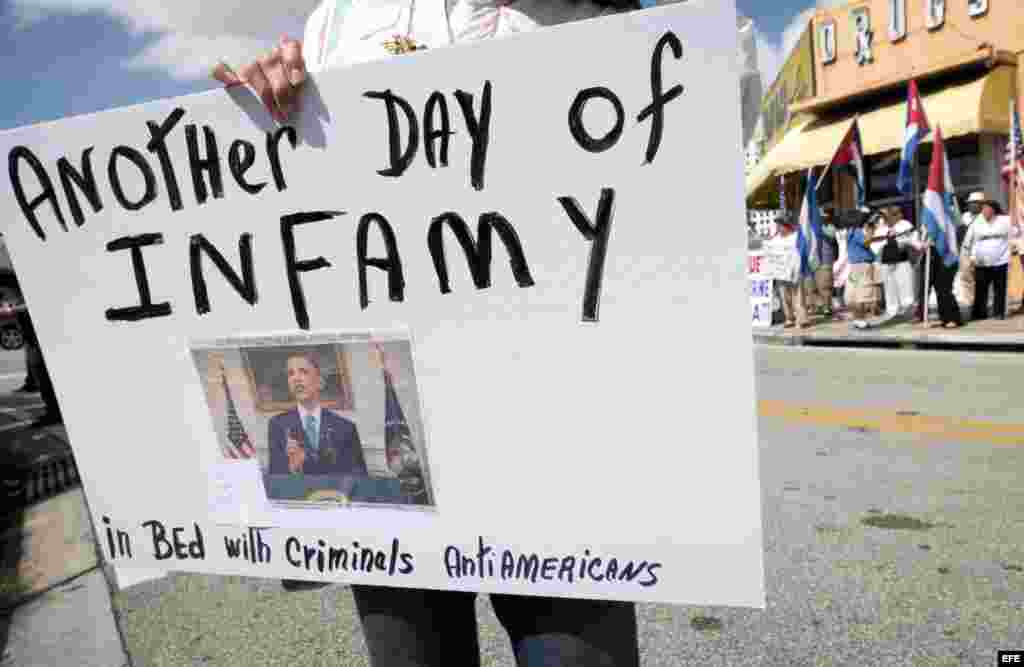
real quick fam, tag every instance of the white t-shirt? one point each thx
(347, 32)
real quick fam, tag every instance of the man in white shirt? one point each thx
(988, 240)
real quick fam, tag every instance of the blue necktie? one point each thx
(312, 442)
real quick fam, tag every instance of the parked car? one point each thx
(11, 337)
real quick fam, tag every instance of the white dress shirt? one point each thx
(989, 240)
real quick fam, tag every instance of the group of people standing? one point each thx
(882, 261)
(801, 294)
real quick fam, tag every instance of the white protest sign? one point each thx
(517, 347)
(762, 295)
(778, 262)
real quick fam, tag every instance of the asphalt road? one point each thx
(12, 369)
(894, 535)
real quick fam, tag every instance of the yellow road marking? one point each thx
(946, 428)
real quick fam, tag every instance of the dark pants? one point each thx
(940, 278)
(984, 278)
(37, 368)
(421, 628)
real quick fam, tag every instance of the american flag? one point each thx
(241, 446)
(1013, 165)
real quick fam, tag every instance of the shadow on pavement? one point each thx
(24, 452)
(13, 467)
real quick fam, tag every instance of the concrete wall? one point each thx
(993, 150)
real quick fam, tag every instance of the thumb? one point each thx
(222, 72)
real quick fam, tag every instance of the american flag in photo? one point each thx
(1013, 165)
(241, 446)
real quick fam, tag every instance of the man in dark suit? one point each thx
(309, 439)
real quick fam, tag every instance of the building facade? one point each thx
(966, 57)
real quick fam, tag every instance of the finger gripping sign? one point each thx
(476, 319)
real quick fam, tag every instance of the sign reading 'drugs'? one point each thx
(477, 320)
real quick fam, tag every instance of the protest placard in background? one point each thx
(762, 294)
(776, 262)
(544, 216)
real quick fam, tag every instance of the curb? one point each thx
(11, 604)
(1012, 344)
(22, 487)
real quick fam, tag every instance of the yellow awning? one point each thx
(979, 106)
(761, 181)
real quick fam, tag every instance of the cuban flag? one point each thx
(949, 193)
(917, 129)
(937, 214)
(850, 155)
(808, 240)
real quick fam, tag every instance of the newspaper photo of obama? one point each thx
(331, 419)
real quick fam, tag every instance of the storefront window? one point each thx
(976, 8)
(897, 20)
(827, 41)
(965, 168)
(936, 10)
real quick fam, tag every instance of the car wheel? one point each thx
(11, 338)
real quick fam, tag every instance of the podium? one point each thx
(357, 488)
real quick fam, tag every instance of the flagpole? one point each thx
(1011, 183)
(828, 168)
(928, 247)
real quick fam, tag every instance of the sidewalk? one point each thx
(55, 604)
(994, 335)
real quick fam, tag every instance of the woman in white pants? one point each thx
(897, 272)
